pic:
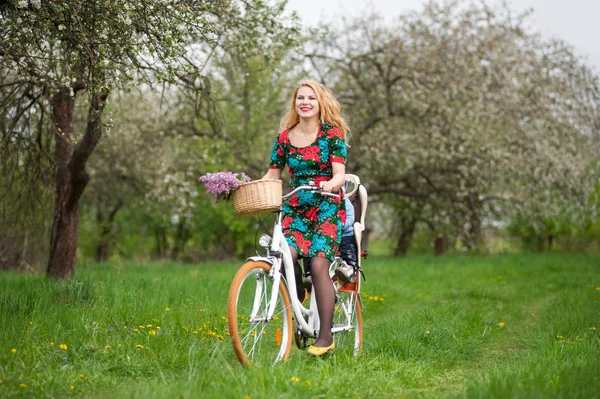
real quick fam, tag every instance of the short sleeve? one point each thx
(337, 146)
(278, 156)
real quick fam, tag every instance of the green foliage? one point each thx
(446, 327)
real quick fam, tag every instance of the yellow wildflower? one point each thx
(81, 376)
(63, 347)
(592, 328)
(501, 324)
(71, 387)
(308, 383)
(23, 385)
(295, 379)
(14, 350)
(427, 332)
(152, 332)
(138, 346)
(167, 309)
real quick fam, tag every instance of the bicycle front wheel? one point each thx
(255, 336)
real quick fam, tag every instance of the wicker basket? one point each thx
(257, 197)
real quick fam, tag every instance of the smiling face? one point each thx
(307, 105)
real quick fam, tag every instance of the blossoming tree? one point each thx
(464, 114)
(52, 52)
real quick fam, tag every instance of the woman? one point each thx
(313, 145)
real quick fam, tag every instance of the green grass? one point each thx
(506, 326)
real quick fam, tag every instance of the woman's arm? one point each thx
(338, 179)
(272, 173)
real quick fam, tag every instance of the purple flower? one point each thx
(222, 184)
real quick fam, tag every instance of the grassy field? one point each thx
(510, 326)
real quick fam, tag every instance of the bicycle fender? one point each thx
(268, 261)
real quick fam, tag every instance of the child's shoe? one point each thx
(345, 272)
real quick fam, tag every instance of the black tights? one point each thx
(323, 291)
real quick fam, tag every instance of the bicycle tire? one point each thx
(258, 340)
(350, 301)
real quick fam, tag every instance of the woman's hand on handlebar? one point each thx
(327, 187)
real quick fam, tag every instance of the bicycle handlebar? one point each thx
(316, 189)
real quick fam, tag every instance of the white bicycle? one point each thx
(260, 307)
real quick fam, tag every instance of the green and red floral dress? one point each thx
(313, 223)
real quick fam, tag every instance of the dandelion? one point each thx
(598, 288)
(14, 350)
(0, 381)
(308, 383)
(427, 332)
(63, 347)
(149, 326)
(23, 385)
(152, 332)
(592, 328)
(138, 346)
(82, 376)
(559, 337)
(167, 309)
(295, 379)
(501, 324)
(71, 387)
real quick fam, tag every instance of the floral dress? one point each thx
(312, 223)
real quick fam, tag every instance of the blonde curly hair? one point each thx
(329, 109)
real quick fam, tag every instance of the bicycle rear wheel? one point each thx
(256, 338)
(348, 314)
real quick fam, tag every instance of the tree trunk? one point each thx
(405, 238)
(162, 245)
(106, 228)
(71, 177)
(181, 237)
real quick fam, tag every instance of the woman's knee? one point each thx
(319, 263)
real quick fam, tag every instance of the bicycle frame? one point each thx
(280, 254)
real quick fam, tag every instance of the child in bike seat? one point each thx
(348, 251)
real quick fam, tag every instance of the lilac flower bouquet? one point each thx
(222, 184)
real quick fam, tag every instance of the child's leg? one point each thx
(348, 251)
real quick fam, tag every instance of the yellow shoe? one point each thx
(320, 351)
